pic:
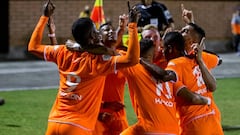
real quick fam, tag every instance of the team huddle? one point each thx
(168, 74)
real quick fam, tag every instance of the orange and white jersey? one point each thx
(114, 91)
(82, 77)
(189, 73)
(78, 95)
(212, 61)
(153, 102)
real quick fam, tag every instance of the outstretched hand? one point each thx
(123, 20)
(198, 48)
(134, 14)
(48, 8)
(187, 15)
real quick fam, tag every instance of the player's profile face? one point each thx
(108, 33)
(95, 37)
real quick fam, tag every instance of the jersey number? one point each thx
(160, 90)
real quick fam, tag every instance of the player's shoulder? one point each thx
(209, 55)
(207, 52)
(177, 61)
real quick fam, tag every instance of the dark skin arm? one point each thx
(157, 72)
(193, 98)
(51, 29)
(208, 78)
(121, 28)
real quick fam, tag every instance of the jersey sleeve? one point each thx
(173, 66)
(52, 52)
(211, 60)
(177, 86)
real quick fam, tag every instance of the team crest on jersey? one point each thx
(106, 57)
(171, 64)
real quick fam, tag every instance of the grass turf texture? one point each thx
(26, 112)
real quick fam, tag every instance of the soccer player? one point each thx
(194, 119)
(151, 32)
(82, 74)
(112, 119)
(193, 34)
(154, 100)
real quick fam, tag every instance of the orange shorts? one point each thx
(208, 125)
(114, 127)
(138, 129)
(133, 130)
(65, 129)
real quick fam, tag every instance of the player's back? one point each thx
(78, 98)
(188, 72)
(154, 101)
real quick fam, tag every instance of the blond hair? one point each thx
(150, 27)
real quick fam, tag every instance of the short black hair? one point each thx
(174, 39)
(198, 29)
(145, 45)
(81, 30)
(107, 23)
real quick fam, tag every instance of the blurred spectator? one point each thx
(235, 24)
(86, 12)
(155, 13)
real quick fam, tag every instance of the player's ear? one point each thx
(170, 49)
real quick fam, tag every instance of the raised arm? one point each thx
(133, 51)
(51, 29)
(193, 98)
(123, 20)
(157, 72)
(35, 45)
(187, 15)
(208, 78)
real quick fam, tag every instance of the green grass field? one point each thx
(26, 112)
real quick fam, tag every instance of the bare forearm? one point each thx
(53, 38)
(208, 78)
(120, 32)
(133, 52)
(51, 29)
(192, 97)
(156, 71)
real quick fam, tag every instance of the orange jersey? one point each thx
(113, 91)
(162, 62)
(235, 24)
(82, 78)
(212, 61)
(188, 72)
(114, 87)
(78, 98)
(154, 102)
